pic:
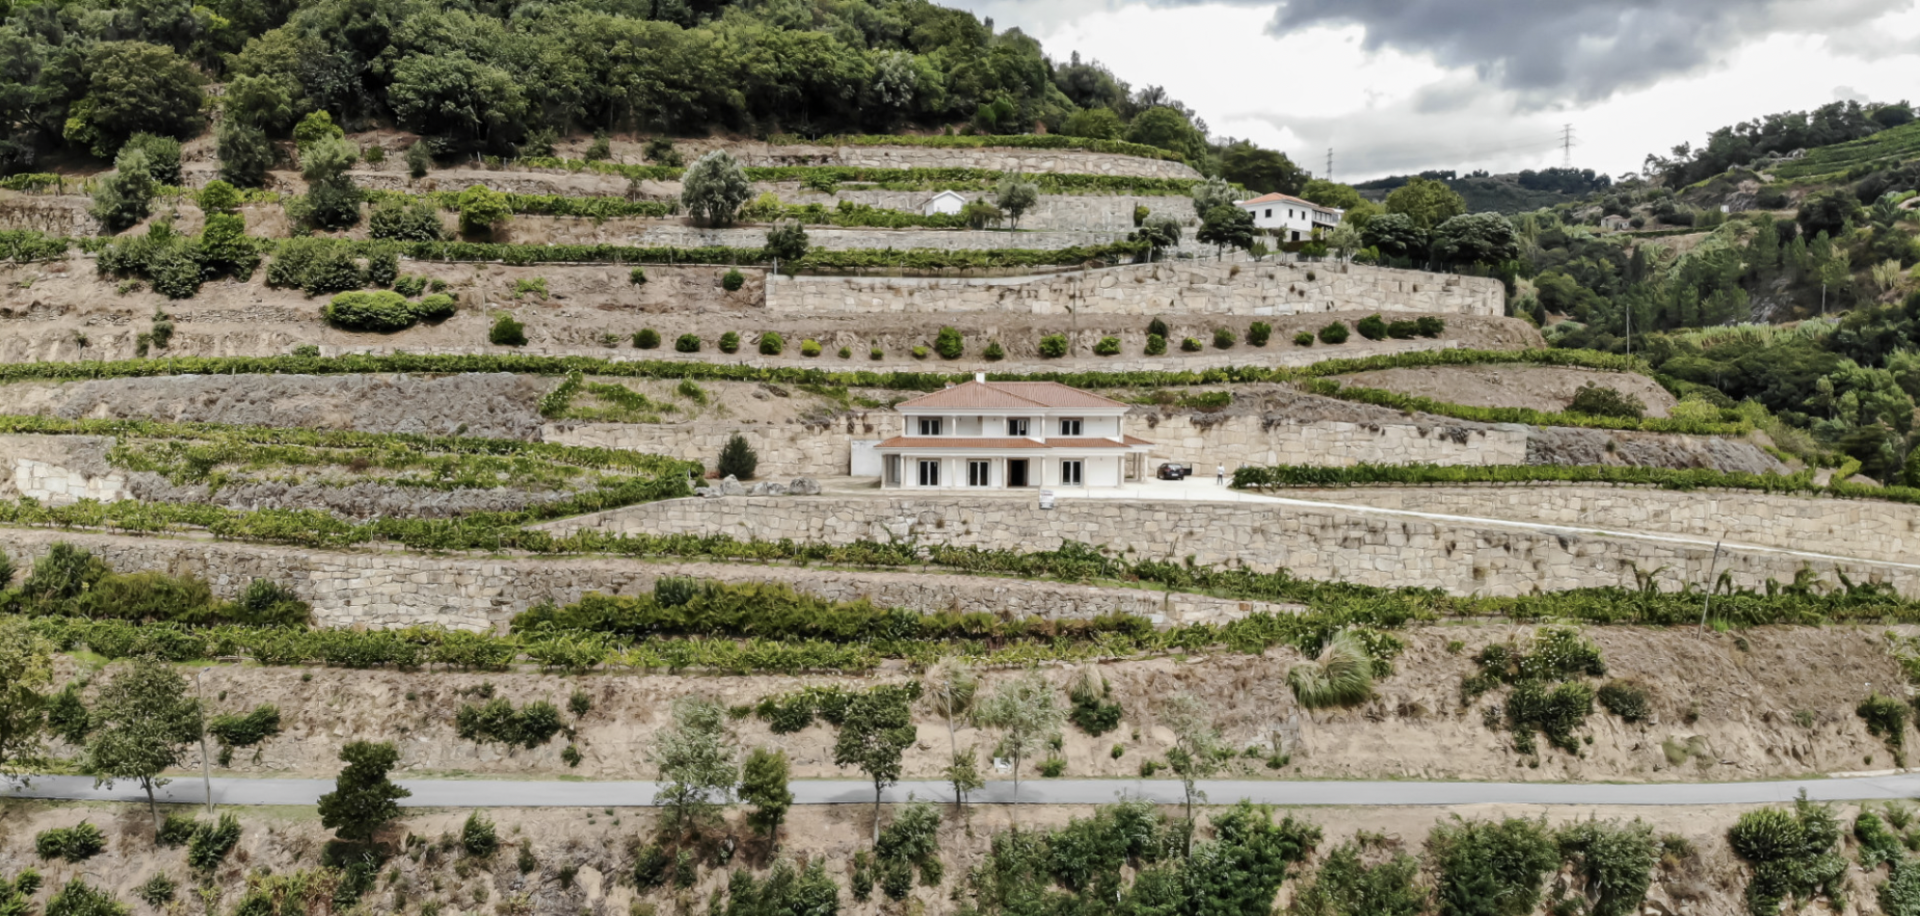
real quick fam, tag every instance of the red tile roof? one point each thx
(1277, 197)
(1003, 443)
(1011, 395)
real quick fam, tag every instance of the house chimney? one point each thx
(980, 377)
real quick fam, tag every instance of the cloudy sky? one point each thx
(1402, 85)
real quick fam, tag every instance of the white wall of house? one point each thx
(947, 202)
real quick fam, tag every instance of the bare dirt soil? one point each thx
(1549, 388)
(1765, 702)
(581, 860)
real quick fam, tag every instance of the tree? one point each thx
(265, 102)
(1170, 130)
(1196, 742)
(738, 459)
(1015, 196)
(363, 799)
(1214, 192)
(1427, 203)
(143, 720)
(419, 159)
(952, 686)
(714, 187)
(1329, 194)
(1094, 123)
(1395, 235)
(875, 731)
(245, 153)
(1828, 212)
(163, 157)
(333, 200)
(126, 196)
(26, 670)
(1024, 711)
(1262, 171)
(415, 220)
(787, 240)
(698, 762)
(1226, 226)
(133, 86)
(482, 208)
(315, 127)
(1477, 238)
(979, 214)
(218, 197)
(1159, 230)
(461, 102)
(764, 785)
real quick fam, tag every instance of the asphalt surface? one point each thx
(496, 793)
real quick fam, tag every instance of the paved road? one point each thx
(495, 793)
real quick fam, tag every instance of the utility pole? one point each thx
(1329, 163)
(1566, 146)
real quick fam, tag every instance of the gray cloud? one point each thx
(1555, 52)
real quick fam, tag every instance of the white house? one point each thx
(999, 435)
(1295, 219)
(947, 202)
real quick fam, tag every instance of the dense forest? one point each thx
(510, 79)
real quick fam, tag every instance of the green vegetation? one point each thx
(1549, 696)
(78, 843)
(1793, 854)
(497, 722)
(1341, 676)
(385, 312)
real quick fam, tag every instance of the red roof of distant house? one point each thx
(1277, 197)
(1011, 395)
(1003, 443)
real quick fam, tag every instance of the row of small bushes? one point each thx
(385, 312)
(598, 208)
(829, 177)
(1728, 423)
(1249, 477)
(1009, 141)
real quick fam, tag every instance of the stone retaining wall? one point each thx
(1853, 527)
(384, 590)
(58, 470)
(1056, 161)
(1246, 288)
(796, 449)
(1459, 555)
(664, 233)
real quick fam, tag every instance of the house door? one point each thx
(1016, 472)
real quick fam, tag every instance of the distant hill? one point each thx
(1517, 192)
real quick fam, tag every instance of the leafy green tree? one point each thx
(1829, 212)
(245, 153)
(1345, 886)
(764, 785)
(1170, 130)
(218, 197)
(1094, 123)
(143, 721)
(419, 160)
(1159, 230)
(315, 127)
(1427, 203)
(26, 671)
(333, 200)
(1395, 235)
(787, 240)
(133, 87)
(1027, 715)
(1330, 194)
(1015, 195)
(163, 157)
(875, 732)
(482, 208)
(265, 102)
(363, 799)
(125, 197)
(698, 763)
(460, 102)
(1214, 192)
(1262, 171)
(1477, 238)
(1225, 227)
(1491, 868)
(714, 188)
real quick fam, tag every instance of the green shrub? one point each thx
(210, 843)
(646, 339)
(1107, 346)
(1158, 327)
(1793, 853)
(1625, 699)
(506, 332)
(78, 843)
(67, 716)
(248, 730)
(1341, 676)
(919, 352)
(419, 159)
(1303, 339)
(738, 459)
(1430, 326)
(405, 220)
(877, 354)
(157, 891)
(1612, 864)
(846, 352)
(1335, 333)
(1091, 707)
(1156, 344)
(687, 343)
(1223, 338)
(1189, 345)
(1403, 330)
(732, 280)
(306, 351)
(496, 721)
(809, 348)
(436, 307)
(1491, 868)
(410, 286)
(176, 830)
(1053, 346)
(1344, 884)
(1258, 333)
(1886, 719)
(637, 276)
(379, 311)
(477, 836)
(1053, 767)
(771, 343)
(78, 898)
(730, 342)
(949, 344)
(1371, 327)
(1594, 400)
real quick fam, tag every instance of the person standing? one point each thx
(1220, 475)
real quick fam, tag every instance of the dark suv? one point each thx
(1172, 471)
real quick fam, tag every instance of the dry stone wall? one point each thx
(59, 470)
(1852, 527)
(1003, 159)
(673, 234)
(1216, 288)
(1367, 547)
(389, 590)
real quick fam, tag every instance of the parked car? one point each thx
(1174, 471)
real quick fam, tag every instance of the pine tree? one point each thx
(363, 799)
(738, 459)
(763, 784)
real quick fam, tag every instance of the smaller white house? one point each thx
(1295, 219)
(1003, 435)
(947, 202)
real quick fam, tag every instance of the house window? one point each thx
(1070, 427)
(978, 473)
(1017, 427)
(1070, 473)
(929, 473)
(1269, 213)
(929, 426)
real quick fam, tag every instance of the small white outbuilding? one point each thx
(948, 202)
